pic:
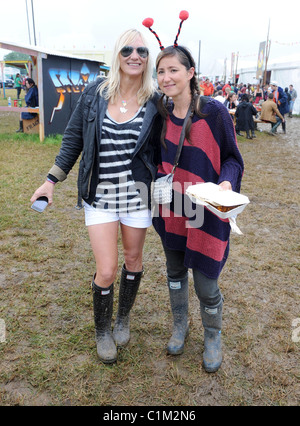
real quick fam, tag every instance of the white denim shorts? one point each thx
(137, 219)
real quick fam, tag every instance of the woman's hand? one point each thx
(46, 190)
(225, 186)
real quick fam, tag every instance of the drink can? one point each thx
(20, 102)
(15, 102)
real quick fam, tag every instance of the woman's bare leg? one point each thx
(104, 242)
(133, 242)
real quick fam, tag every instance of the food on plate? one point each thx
(224, 203)
(223, 208)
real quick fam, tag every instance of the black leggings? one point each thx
(207, 289)
(19, 92)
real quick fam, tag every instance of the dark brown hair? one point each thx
(30, 81)
(186, 59)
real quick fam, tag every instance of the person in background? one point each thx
(288, 95)
(243, 89)
(112, 127)
(244, 117)
(24, 83)
(249, 90)
(226, 86)
(293, 94)
(258, 94)
(209, 154)
(208, 87)
(231, 102)
(266, 92)
(281, 100)
(18, 84)
(32, 101)
(227, 93)
(219, 97)
(271, 114)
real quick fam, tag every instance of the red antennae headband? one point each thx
(148, 22)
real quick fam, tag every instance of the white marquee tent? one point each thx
(285, 71)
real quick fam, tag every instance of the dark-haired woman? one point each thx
(244, 117)
(231, 102)
(32, 101)
(209, 154)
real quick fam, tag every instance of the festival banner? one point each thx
(260, 61)
(232, 64)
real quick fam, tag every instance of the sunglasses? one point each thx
(143, 52)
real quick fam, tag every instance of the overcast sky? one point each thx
(223, 26)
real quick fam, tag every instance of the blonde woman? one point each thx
(112, 126)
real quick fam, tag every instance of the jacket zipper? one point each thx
(90, 179)
(146, 135)
(147, 167)
(97, 141)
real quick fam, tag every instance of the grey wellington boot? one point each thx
(179, 298)
(129, 285)
(103, 308)
(212, 323)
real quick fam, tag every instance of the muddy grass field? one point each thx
(47, 349)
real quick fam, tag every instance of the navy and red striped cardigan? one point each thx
(212, 156)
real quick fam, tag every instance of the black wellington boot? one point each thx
(129, 285)
(20, 129)
(103, 308)
(179, 298)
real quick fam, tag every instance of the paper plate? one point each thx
(210, 195)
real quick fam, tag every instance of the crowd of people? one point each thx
(256, 92)
(251, 101)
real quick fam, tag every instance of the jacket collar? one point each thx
(151, 111)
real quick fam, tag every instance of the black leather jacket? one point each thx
(83, 134)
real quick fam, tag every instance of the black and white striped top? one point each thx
(116, 190)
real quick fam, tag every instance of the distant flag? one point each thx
(260, 60)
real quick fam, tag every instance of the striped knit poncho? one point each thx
(212, 156)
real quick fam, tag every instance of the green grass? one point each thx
(9, 92)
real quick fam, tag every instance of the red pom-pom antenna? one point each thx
(148, 22)
(183, 15)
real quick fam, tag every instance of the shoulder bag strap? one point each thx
(181, 140)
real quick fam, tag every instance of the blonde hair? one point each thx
(110, 87)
